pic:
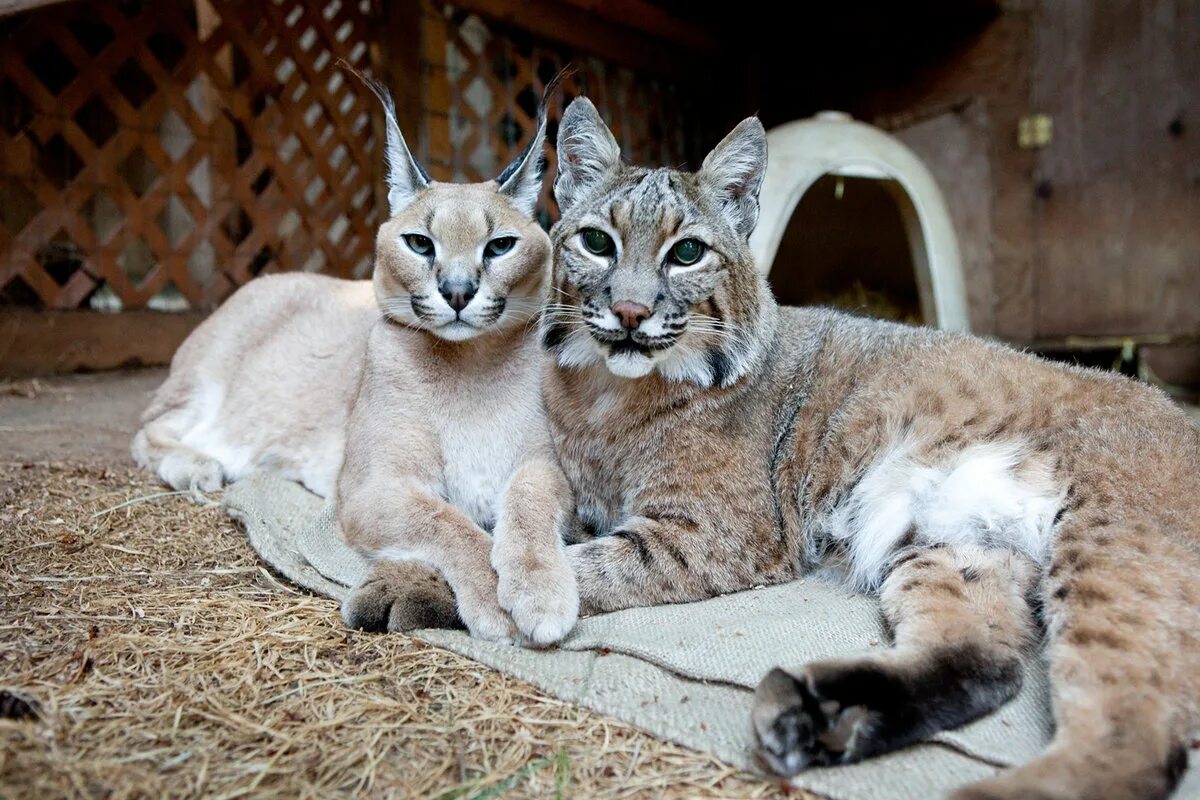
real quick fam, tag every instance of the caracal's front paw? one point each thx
(486, 620)
(185, 471)
(397, 597)
(542, 597)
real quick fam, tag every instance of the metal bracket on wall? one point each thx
(1034, 131)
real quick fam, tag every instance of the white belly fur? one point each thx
(479, 461)
(988, 494)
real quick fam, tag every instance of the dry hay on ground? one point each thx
(163, 660)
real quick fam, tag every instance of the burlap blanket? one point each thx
(685, 673)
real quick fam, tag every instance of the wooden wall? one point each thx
(1096, 235)
(1117, 208)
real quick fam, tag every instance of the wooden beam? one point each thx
(581, 29)
(650, 19)
(46, 342)
(17, 6)
(400, 63)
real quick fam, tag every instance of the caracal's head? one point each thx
(461, 260)
(652, 267)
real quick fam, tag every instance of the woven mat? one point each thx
(685, 673)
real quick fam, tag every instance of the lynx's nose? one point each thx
(457, 293)
(631, 314)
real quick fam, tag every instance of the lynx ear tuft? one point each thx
(735, 169)
(587, 152)
(522, 179)
(405, 177)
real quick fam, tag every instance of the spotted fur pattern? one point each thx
(991, 499)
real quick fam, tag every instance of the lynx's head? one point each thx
(459, 260)
(652, 268)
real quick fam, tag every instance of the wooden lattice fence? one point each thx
(159, 154)
(483, 83)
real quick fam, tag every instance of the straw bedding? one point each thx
(161, 659)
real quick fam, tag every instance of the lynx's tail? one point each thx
(1122, 610)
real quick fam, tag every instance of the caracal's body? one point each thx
(413, 398)
(266, 382)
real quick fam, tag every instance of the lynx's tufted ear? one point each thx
(405, 177)
(587, 152)
(522, 179)
(734, 170)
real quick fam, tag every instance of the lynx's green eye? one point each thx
(421, 245)
(499, 246)
(598, 242)
(687, 252)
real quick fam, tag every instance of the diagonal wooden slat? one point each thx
(111, 188)
(198, 143)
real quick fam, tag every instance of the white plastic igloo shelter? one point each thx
(803, 152)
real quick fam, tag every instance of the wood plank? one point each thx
(1117, 235)
(17, 6)
(41, 343)
(652, 20)
(400, 65)
(581, 30)
(954, 147)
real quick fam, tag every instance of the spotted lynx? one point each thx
(993, 500)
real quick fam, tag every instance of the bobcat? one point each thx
(423, 381)
(716, 442)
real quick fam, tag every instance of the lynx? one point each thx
(412, 397)
(992, 500)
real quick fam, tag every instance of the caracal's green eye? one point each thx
(687, 252)
(598, 242)
(421, 245)
(499, 246)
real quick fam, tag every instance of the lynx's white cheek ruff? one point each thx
(629, 365)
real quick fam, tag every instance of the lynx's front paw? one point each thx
(399, 596)
(540, 593)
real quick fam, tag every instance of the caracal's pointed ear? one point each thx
(587, 152)
(735, 169)
(405, 177)
(522, 179)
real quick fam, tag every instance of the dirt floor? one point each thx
(160, 659)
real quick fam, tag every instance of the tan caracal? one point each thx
(413, 397)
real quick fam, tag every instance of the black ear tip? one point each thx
(555, 82)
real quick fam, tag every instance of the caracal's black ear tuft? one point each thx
(522, 179)
(405, 177)
(587, 152)
(735, 169)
